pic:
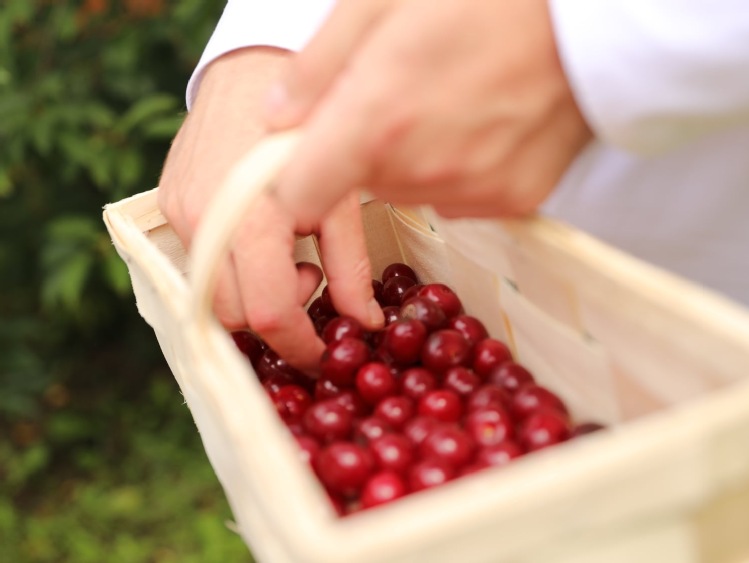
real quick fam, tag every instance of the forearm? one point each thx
(651, 76)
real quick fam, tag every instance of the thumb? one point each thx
(312, 71)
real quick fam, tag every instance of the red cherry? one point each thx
(370, 428)
(342, 327)
(461, 380)
(444, 297)
(377, 291)
(341, 360)
(441, 404)
(474, 467)
(275, 382)
(249, 344)
(489, 426)
(321, 322)
(381, 488)
(444, 349)
(533, 397)
(424, 310)
(326, 389)
(419, 427)
(412, 291)
(271, 364)
(344, 467)
(328, 420)
(317, 309)
(472, 329)
(392, 313)
(542, 429)
(396, 411)
(416, 382)
(403, 341)
(586, 428)
(353, 402)
(488, 396)
(510, 376)
(393, 452)
(394, 289)
(308, 447)
(397, 269)
(499, 454)
(291, 402)
(327, 302)
(430, 473)
(450, 444)
(487, 354)
(375, 381)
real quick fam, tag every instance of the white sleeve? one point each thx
(287, 24)
(651, 75)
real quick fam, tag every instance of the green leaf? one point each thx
(163, 128)
(63, 287)
(145, 110)
(116, 273)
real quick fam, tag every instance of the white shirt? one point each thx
(665, 87)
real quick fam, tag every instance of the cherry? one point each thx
(419, 427)
(444, 297)
(343, 467)
(381, 488)
(511, 376)
(499, 454)
(291, 402)
(275, 382)
(430, 473)
(472, 329)
(450, 444)
(377, 291)
(308, 447)
(375, 381)
(531, 398)
(471, 468)
(321, 322)
(461, 380)
(271, 364)
(326, 302)
(488, 396)
(370, 428)
(403, 341)
(441, 404)
(489, 426)
(412, 291)
(586, 428)
(444, 349)
(249, 344)
(416, 382)
(392, 313)
(394, 289)
(397, 269)
(326, 389)
(341, 360)
(316, 309)
(487, 354)
(328, 420)
(542, 429)
(394, 452)
(353, 402)
(424, 310)
(342, 327)
(396, 410)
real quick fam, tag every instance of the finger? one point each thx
(227, 300)
(271, 286)
(312, 71)
(344, 256)
(310, 278)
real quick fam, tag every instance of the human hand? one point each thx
(259, 285)
(461, 104)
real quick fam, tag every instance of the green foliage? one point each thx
(99, 458)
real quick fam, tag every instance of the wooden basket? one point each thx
(661, 360)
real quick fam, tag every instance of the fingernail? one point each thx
(376, 317)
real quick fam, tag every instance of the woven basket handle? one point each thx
(249, 178)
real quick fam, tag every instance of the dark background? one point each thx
(99, 457)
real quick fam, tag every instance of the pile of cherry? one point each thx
(428, 399)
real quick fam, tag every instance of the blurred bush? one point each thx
(93, 435)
